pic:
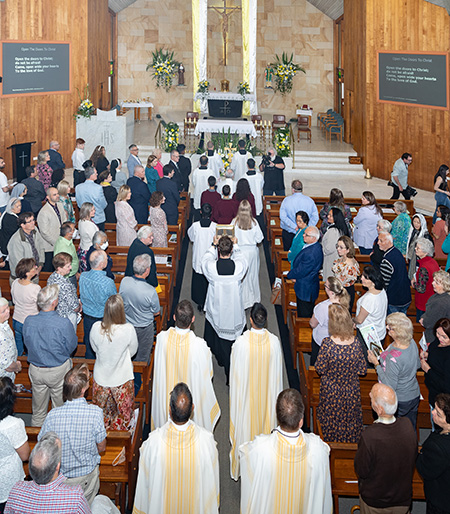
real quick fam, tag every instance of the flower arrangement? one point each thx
(86, 108)
(243, 89)
(226, 144)
(282, 142)
(284, 71)
(165, 67)
(171, 136)
(203, 88)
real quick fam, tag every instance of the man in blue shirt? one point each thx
(91, 192)
(297, 201)
(55, 162)
(95, 289)
(50, 340)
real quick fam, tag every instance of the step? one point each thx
(324, 154)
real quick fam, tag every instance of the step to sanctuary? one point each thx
(326, 162)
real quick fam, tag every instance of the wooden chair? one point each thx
(278, 121)
(190, 123)
(304, 126)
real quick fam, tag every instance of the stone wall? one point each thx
(283, 25)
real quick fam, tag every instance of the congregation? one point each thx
(89, 272)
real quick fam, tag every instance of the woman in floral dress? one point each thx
(339, 364)
(43, 169)
(346, 267)
(158, 220)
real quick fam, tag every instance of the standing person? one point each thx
(50, 340)
(376, 256)
(189, 468)
(50, 218)
(305, 272)
(55, 162)
(365, 230)
(140, 246)
(91, 192)
(86, 228)
(9, 365)
(214, 160)
(173, 164)
(302, 220)
(9, 223)
(185, 166)
(346, 267)
(399, 178)
(80, 427)
(273, 174)
(224, 266)
(339, 364)
(114, 342)
(200, 178)
(4, 188)
(438, 231)
(78, 158)
(24, 295)
(385, 459)
(255, 181)
(442, 193)
(110, 196)
(418, 229)
(337, 227)
(140, 195)
(423, 281)
(126, 220)
(271, 464)
(100, 242)
(20, 191)
(249, 235)
(243, 193)
(119, 177)
(169, 188)
(151, 173)
(99, 160)
(158, 220)
(44, 169)
(158, 165)
(336, 201)
(64, 190)
(65, 244)
(438, 305)
(133, 159)
(397, 366)
(211, 195)
(201, 233)
(239, 160)
(297, 201)
(226, 208)
(35, 189)
(181, 355)
(253, 389)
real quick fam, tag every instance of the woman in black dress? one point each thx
(110, 195)
(99, 160)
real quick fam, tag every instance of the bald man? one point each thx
(385, 459)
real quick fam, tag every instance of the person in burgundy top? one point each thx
(211, 195)
(243, 193)
(226, 208)
(423, 279)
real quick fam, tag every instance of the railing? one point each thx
(292, 143)
(158, 133)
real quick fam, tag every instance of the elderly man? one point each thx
(273, 174)
(185, 166)
(140, 194)
(395, 275)
(200, 180)
(55, 162)
(173, 163)
(95, 289)
(254, 386)
(133, 159)
(50, 219)
(187, 461)
(181, 355)
(100, 242)
(297, 201)
(168, 187)
(399, 178)
(89, 191)
(50, 340)
(139, 246)
(305, 272)
(81, 429)
(25, 243)
(287, 471)
(386, 457)
(239, 161)
(35, 189)
(64, 243)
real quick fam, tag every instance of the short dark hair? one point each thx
(181, 148)
(156, 198)
(75, 381)
(61, 259)
(206, 210)
(241, 144)
(443, 323)
(29, 170)
(406, 155)
(80, 141)
(103, 175)
(66, 227)
(23, 217)
(297, 185)
(184, 313)
(443, 402)
(259, 315)
(225, 246)
(211, 181)
(303, 215)
(7, 397)
(290, 409)
(251, 163)
(132, 146)
(180, 403)
(371, 273)
(226, 190)
(167, 170)
(24, 266)
(203, 160)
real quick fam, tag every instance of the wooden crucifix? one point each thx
(225, 13)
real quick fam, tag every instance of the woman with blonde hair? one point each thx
(438, 305)
(126, 221)
(114, 342)
(398, 364)
(43, 169)
(87, 228)
(64, 190)
(319, 322)
(158, 165)
(158, 220)
(401, 226)
(346, 267)
(249, 235)
(339, 364)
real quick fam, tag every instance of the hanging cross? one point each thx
(225, 12)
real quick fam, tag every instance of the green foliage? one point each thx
(283, 142)
(164, 68)
(284, 71)
(171, 137)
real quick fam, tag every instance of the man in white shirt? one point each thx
(239, 161)
(256, 182)
(78, 158)
(4, 188)
(215, 162)
(200, 180)
(133, 159)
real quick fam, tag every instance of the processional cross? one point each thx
(225, 13)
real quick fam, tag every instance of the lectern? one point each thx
(21, 155)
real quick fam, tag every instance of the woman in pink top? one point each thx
(158, 166)
(126, 221)
(24, 296)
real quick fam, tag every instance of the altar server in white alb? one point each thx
(200, 180)
(224, 266)
(215, 163)
(256, 182)
(249, 235)
(179, 464)
(256, 379)
(181, 356)
(239, 161)
(288, 471)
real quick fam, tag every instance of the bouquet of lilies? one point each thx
(203, 88)
(171, 136)
(282, 142)
(284, 71)
(243, 89)
(86, 108)
(164, 68)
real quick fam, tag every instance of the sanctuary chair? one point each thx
(279, 121)
(304, 126)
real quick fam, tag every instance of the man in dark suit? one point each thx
(35, 190)
(305, 271)
(140, 195)
(173, 163)
(140, 246)
(168, 186)
(55, 162)
(185, 167)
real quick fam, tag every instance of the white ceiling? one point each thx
(332, 8)
(441, 3)
(118, 5)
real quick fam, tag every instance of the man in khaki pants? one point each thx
(50, 341)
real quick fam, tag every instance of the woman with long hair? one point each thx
(336, 200)
(151, 173)
(158, 220)
(346, 267)
(86, 228)
(114, 342)
(339, 364)
(365, 231)
(249, 235)
(99, 160)
(442, 194)
(43, 169)
(110, 195)
(126, 220)
(337, 227)
(243, 192)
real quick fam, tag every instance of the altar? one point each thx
(234, 126)
(223, 104)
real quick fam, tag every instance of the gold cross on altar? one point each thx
(225, 12)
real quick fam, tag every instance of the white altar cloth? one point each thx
(217, 125)
(304, 112)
